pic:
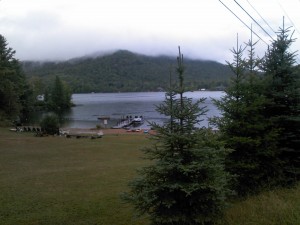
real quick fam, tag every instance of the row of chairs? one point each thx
(29, 129)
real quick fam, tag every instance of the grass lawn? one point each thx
(55, 180)
(276, 207)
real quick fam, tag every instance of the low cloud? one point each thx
(59, 30)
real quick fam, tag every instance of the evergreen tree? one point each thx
(60, 98)
(14, 92)
(186, 183)
(282, 91)
(244, 128)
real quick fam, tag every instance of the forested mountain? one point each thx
(126, 71)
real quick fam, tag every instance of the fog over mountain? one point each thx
(127, 71)
(63, 29)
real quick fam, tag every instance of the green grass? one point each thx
(277, 207)
(55, 180)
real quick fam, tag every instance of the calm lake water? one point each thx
(89, 107)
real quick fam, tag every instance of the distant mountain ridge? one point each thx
(124, 71)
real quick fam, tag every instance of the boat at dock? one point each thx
(137, 121)
(129, 122)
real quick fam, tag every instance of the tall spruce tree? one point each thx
(244, 128)
(186, 182)
(14, 91)
(283, 108)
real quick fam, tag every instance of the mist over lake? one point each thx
(89, 107)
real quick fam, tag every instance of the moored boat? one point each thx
(130, 122)
(137, 121)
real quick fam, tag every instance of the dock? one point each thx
(78, 135)
(122, 124)
(129, 122)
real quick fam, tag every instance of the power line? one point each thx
(243, 22)
(254, 20)
(261, 16)
(291, 22)
(288, 17)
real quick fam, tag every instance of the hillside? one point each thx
(127, 71)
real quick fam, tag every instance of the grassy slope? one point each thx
(55, 180)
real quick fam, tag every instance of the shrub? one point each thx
(50, 124)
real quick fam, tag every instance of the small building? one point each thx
(104, 120)
(40, 98)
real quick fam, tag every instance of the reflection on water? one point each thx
(89, 107)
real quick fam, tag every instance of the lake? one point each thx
(89, 107)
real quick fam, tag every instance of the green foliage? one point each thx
(14, 92)
(126, 71)
(50, 124)
(186, 182)
(261, 118)
(283, 108)
(245, 129)
(60, 98)
(37, 85)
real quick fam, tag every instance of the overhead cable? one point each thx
(254, 20)
(261, 16)
(243, 22)
(288, 17)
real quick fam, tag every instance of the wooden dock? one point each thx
(78, 135)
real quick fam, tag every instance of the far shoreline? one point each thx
(107, 131)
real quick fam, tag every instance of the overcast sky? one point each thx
(205, 29)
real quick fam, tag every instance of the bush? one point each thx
(50, 124)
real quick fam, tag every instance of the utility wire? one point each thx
(292, 24)
(242, 22)
(254, 20)
(261, 16)
(288, 17)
